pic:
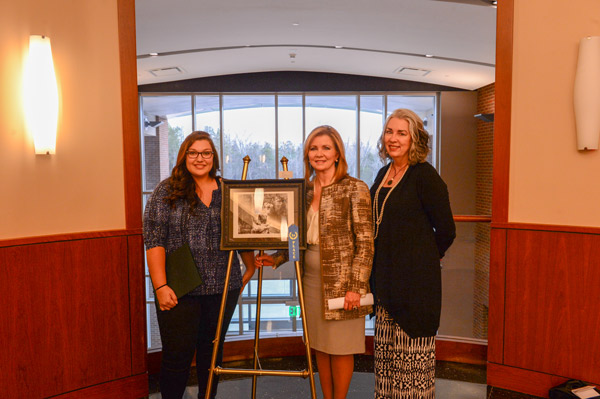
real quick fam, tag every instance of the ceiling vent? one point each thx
(170, 71)
(411, 71)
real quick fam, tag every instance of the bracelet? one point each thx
(156, 289)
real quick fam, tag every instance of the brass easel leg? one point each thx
(213, 360)
(311, 375)
(257, 328)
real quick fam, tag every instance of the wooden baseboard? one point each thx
(520, 380)
(134, 387)
(459, 351)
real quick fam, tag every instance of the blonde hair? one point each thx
(341, 166)
(419, 148)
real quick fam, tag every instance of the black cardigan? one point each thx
(416, 230)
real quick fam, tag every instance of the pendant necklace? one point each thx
(377, 213)
(389, 182)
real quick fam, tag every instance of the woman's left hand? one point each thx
(351, 301)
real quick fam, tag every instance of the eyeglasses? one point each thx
(194, 154)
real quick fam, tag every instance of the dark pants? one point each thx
(191, 326)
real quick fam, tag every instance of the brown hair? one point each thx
(419, 147)
(181, 182)
(341, 167)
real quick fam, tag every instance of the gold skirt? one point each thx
(335, 337)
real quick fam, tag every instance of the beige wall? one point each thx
(458, 143)
(458, 148)
(550, 181)
(81, 187)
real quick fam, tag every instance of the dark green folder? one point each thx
(182, 274)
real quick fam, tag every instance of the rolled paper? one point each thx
(338, 303)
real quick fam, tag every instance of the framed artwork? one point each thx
(255, 214)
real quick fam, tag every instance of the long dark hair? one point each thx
(181, 182)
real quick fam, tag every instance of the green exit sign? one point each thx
(294, 311)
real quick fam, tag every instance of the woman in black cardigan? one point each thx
(413, 229)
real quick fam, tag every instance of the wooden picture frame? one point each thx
(255, 214)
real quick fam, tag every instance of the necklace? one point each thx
(376, 213)
(389, 183)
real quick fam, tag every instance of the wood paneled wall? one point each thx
(552, 303)
(74, 312)
(74, 315)
(546, 304)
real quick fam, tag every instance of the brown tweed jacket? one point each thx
(345, 241)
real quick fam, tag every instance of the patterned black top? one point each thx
(170, 228)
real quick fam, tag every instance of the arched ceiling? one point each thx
(446, 42)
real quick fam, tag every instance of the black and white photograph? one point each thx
(262, 215)
(257, 213)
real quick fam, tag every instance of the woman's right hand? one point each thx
(263, 260)
(166, 297)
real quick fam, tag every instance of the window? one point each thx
(249, 129)
(268, 127)
(290, 126)
(339, 112)
(371, 125)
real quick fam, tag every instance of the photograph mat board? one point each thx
(277, 210)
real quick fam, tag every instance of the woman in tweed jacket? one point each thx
(338, 260)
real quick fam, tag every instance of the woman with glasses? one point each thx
(186, 209)
(338, 261)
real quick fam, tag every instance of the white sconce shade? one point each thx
(41, 95)
(587, 94)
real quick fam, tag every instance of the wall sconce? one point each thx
(41, 95)
(587, 93)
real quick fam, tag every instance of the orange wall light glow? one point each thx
(41, 95)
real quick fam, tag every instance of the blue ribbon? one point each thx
(294, 242)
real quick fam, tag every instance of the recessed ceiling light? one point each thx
(295, 24)
(428, 55)
(338, 46)
(153, 54)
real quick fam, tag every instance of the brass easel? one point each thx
(255, 372)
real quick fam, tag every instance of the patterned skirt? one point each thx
(404, 366)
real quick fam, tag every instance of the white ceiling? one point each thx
(221, 37)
